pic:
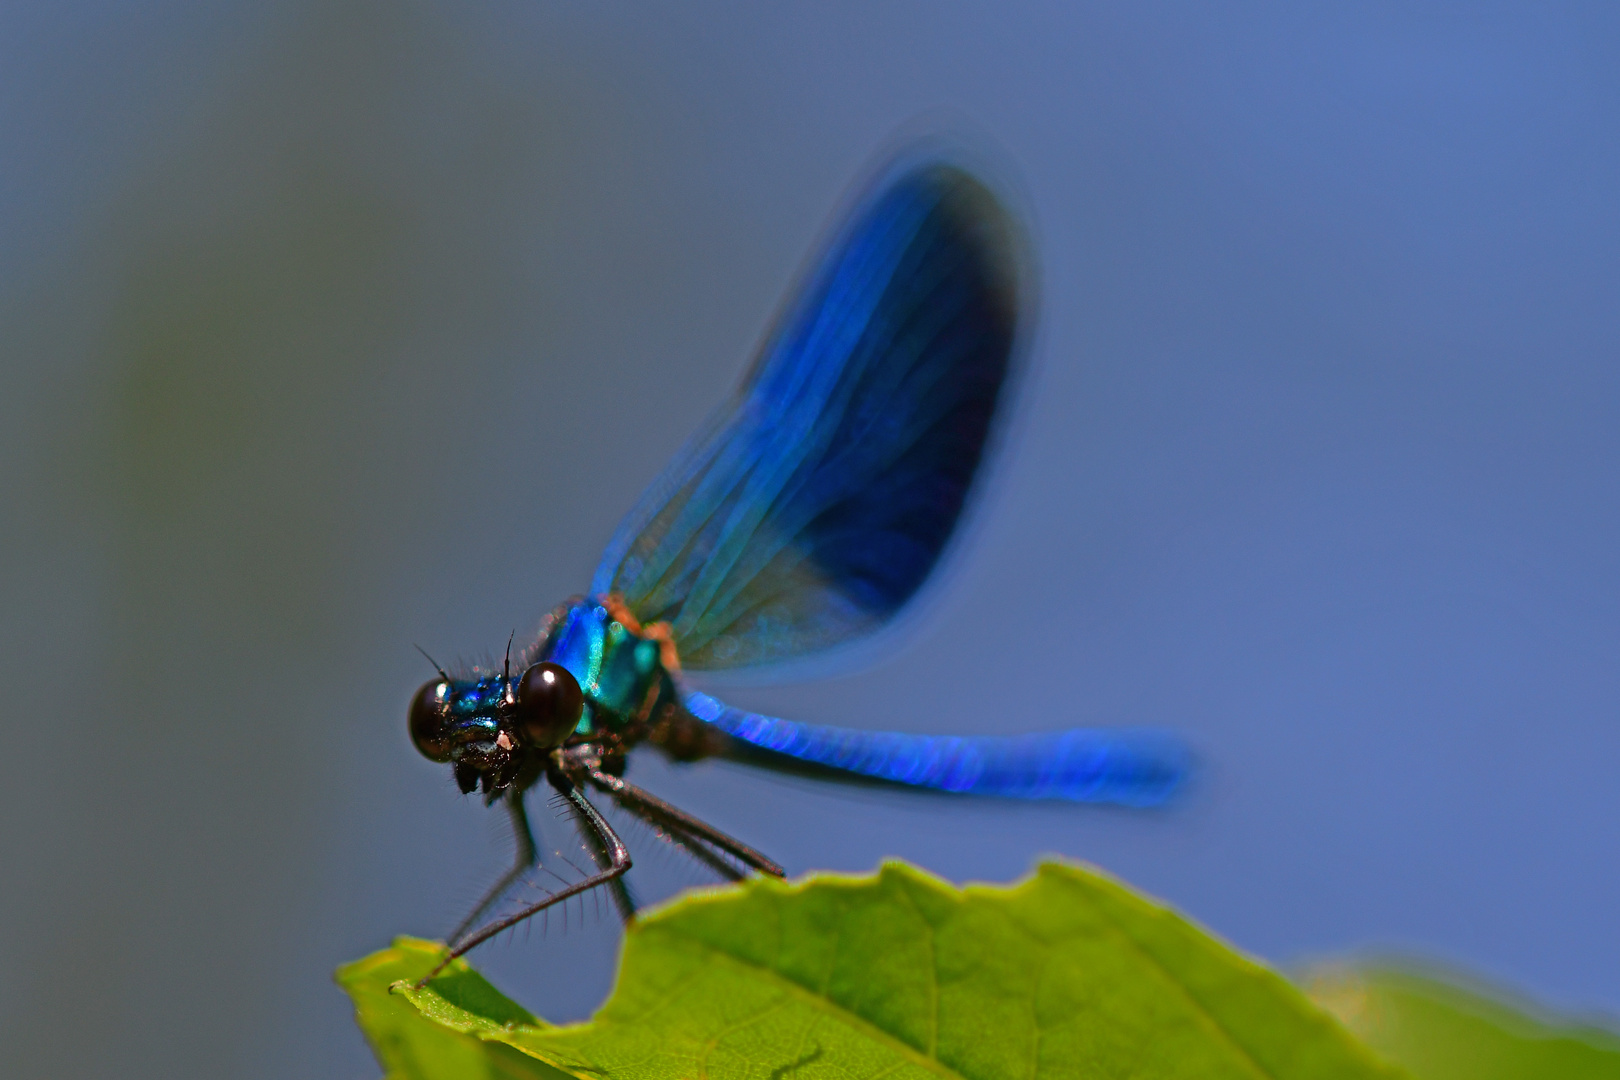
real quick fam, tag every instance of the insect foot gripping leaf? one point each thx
(439, 1043)
(1067, 974)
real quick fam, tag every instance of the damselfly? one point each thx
(805, 514)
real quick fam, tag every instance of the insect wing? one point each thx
(812, 507)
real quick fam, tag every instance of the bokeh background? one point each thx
(330, 328)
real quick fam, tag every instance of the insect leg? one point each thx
(672, 833)
(650, 806)
(617, 857)
(602, 856)
(527, 856)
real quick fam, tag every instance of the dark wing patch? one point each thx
(817, 502)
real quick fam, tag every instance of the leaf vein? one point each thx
(933, 972)
(828, 1006)
(1200, 1009)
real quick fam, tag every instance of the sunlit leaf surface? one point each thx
(1441, 1031)
(1067, 974)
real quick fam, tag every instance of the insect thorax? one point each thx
(622, 667)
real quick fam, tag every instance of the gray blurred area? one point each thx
(329, 329)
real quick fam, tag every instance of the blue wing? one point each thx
(816, 503)
(1129, 768)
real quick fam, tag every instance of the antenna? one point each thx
(442, 674)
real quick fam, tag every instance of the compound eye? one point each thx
(430, 721)
(549, 704)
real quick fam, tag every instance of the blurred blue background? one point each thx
(334, 328)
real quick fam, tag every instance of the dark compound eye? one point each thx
(549, 704)
(430, 721)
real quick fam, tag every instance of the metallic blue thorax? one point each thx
(618, 669)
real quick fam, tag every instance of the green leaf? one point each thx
(1442, 1031)
(412, 1047)
(1067, 974)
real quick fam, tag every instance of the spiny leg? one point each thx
(617, 857)
(672, 833)
(600, 855)
(645, 802)
(528, 856)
